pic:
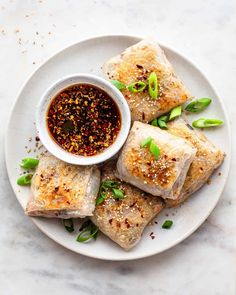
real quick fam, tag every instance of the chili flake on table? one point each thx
(83, 120)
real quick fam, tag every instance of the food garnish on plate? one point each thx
(155, 161)
(63, 190)
(123, 220)
(147, 80)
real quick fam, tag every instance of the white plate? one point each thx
(88, 56)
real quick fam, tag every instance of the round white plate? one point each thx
(87, 57)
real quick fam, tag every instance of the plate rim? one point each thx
(228, 130)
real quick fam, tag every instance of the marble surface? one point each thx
(30, 32)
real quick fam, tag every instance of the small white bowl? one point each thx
(53, 147)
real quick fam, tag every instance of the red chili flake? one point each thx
(143, 116)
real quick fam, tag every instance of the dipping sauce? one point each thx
(83, 120)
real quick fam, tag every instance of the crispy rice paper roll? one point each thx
(63, 190)
(164, 176)
(206, 160)
(135, 64)
(124, 220)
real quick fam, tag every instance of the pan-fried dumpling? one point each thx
(135, 64)
(63, 190)
(124, 220)
(206, 160)
(160, 177)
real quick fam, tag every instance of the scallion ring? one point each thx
(88, 232)
(68, 224)
(24, 179)
(117, 193)
(206, 123)
(174, 113)
(146, 142)
(154, 149)
(162, 122)
(137, 87)
(101, 196)
(110, 184)
(105, 187)
(167, 224)
(119, 85)
(198, 105)
(153, 86)
(154, 123)
(29, 163)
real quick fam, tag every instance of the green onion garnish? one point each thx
(206, 123)
(101, 196)
(154, 149)
(68, 224)
(154, 123)
(137, 87)
(24, 179)
(167, 224)
(88, 232)
(119, 85)
(198, 105)
(117, 193)
(110, 184)
(107, 185)
(146, 142)
(176, 112)
(153, 86)
(85, 224)
(29, 163)
(162, 122)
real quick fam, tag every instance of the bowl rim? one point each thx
(63, 83)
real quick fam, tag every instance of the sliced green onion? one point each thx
(137, 87)
(29, 163)
(206, 123)
(154, 123)
(86, 235)
(89, 231)
(154, 149)
(85, 224)
(176, 112)
(146, 142)
(167, 224)
(24, 179)
(117, 193)
(101, 197)
(162, 122)
(109, 184)
(198, 105)
(119, 85)
(153, 86)
(68, 224)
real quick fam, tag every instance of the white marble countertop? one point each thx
(30, 32)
